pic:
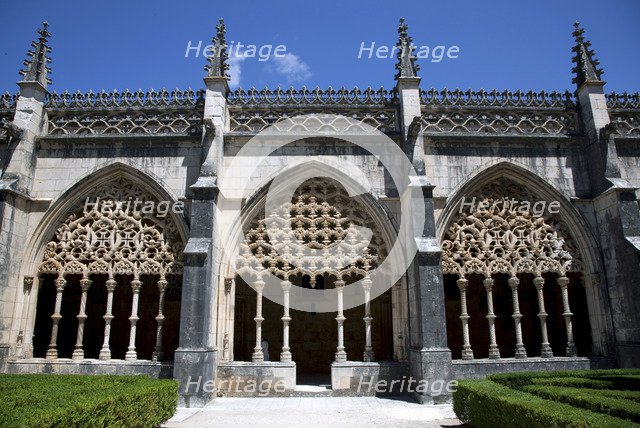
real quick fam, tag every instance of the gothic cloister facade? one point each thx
(119, 254)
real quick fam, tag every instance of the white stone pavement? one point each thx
(352, 412)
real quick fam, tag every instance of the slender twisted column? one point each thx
(467, 352)
(517, 316)
(105, 352)
(131, 352)
(162, 286)
(563, 281)
(368, 348)
(258, 355)
(546, 351)
(285, 355)
(52, 352)
(78, 353)
(341, 355)
(494, 352)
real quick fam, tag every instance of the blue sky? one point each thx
(141, 44)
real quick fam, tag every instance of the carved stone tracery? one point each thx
(319, 219)
(117, 239)
(507, 239)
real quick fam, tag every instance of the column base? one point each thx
(571, 350)
(521, 352)
(368, 356)
(546, 352)
(78, 354)
(285, 357)
(195, 371)
(341, 357)
(494, 353)
(431, 365)
(52, 354)
(467, 354)
(131, 356)
(105, 354)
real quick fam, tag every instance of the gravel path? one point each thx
(296, 412)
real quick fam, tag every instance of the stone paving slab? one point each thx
(314, 412)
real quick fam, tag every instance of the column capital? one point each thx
(60, 284)
(85, 283)
(462, 283)
(286, 285)
(513, 282)
(488, 283)
(563, 281)
(111, 284)
(538, 281)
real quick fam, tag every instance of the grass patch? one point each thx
(85, 401)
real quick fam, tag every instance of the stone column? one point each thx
(131, 354)
(258, 355)
(341, 355)
(368, 348)
(494, 352)
(105, 352)
(517, 316)
(162, 286)
(31, 302)
(429, 354)
(78, 353)
(467, 352)
(196, 357)
(52, 352)
(546, 351)
(563, 282)
(285, 355)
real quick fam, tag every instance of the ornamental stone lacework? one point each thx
(507, 239)
(319, 218)
(252, 111)
(115, 237)
(624, 110)
(126, 113)
(508, 113)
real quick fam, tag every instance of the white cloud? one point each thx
(292, 67)
(235, 70)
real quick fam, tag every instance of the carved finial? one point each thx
(586, 68)
(37, 59)
(217, 66)
(406, 65)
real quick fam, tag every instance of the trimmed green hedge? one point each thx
(85, 401)
(520, 380)
(597, 398)
(620, 384)
(483, 403)
(589, 399)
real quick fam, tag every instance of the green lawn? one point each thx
(585, 398)
(85, 401)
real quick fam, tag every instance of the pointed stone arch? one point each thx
(115, 227)
(249, 221)
(506, 239)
